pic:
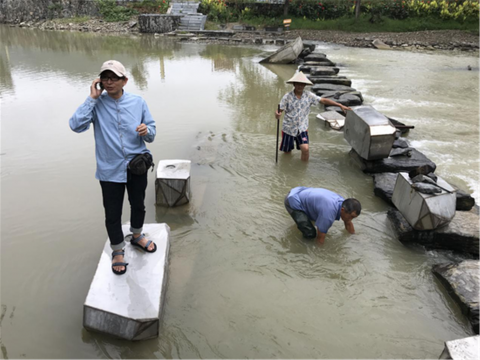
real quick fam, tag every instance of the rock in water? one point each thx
(462, 282)
(379, 44)
(459, 235)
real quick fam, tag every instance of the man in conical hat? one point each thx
(296, 105)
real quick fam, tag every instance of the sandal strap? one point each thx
(120, 264)
(118, 252)
(148, 244)
(136, 240)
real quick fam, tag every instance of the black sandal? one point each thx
(134, 241)
(115, 253)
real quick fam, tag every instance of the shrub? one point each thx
(113, 12)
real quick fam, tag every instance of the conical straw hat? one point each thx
(299, 78)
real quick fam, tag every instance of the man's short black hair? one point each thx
(351, 205)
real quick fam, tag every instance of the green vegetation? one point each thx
(363, 24)
(110, 11)
(377, 15)
(151, 6)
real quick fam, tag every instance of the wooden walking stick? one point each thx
(278, 125)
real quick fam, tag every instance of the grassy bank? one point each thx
(364, 25)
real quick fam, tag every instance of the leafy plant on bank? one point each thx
(111, 12)
(151, 6)
(319, 10)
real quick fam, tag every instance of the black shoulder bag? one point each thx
(140, 164)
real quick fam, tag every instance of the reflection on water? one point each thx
(242, 281)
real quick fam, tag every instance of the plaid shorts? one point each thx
(288, 141)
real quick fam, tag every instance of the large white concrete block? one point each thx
(130, 306)
(462, 349)
(172, 186)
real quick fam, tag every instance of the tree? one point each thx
(285, 7)
(357, 9)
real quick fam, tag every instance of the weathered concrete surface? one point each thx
(316, 57)
(158, 23)
(460, 235)
(392, 164)
(462, 283)
(383, 185)
(286, 54)
(130, 306)
(462, 349)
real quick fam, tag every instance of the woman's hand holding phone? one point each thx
(96, 89)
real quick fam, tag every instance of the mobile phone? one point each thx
(100, 86)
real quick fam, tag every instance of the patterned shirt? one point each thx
(296, 111)
(114, 123)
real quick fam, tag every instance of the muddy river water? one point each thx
(242, 281)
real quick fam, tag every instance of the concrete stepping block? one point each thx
(424, 211)
(462, 349)
(459, 235)
(130, 306)
(316, 57)
(335, 120)
(172, 186)
(462, 283)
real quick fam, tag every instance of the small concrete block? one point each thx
(279, 42)
(172, 186)
(130, 306)
(462, 349)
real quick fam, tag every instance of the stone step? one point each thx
(130, 306)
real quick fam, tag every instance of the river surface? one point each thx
(242, 281)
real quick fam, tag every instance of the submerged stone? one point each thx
(338, 80)
(462, 283)
(323, 70)
(459, 235)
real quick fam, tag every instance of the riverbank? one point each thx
(456, 40)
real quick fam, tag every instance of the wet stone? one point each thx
(459, 235)
(401, 143)
(331, 87)
(383, 186)
(392, 164)
(320, 70)
(462, 283)
(330, 80)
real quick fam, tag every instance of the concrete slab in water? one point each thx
(462, 349)
(129, 306)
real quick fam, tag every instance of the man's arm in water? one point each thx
(320, 237)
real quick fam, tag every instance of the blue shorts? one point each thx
(287, 144)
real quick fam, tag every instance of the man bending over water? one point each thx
(323, 207)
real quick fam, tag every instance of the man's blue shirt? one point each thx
(321, 205)
(114, 123)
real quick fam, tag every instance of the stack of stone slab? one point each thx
(191, 20)
(323, 73)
